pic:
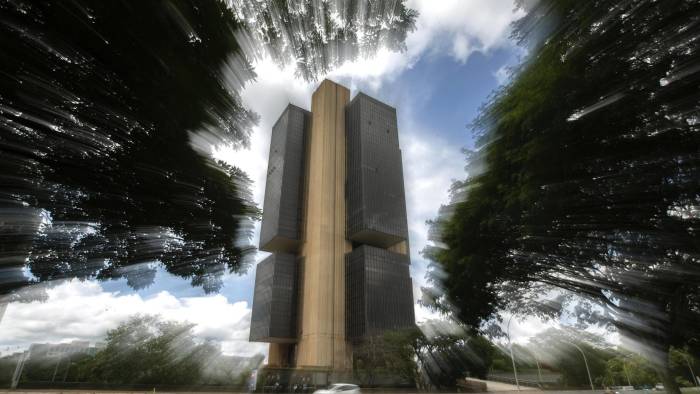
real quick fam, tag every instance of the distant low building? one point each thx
(52, 350)
(528, 377)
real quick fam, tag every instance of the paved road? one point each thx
(493, 387)
(500, 386)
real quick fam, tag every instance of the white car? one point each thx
(336, 388)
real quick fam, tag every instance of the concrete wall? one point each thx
(322, 340)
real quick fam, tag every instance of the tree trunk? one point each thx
(664, 372)
(3, 307)
(678, 312)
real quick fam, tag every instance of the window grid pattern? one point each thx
(375, 189)
(274, 317)
(379, 292)
(284, 186)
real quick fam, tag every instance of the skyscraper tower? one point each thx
(334, 217)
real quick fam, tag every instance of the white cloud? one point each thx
(460, 48)
(455, 27)
(373, 72)
(462, 26)
(501, 74)
(268, 95)
(522, 329)
(430, 166)
(78, 310)
(424, 314)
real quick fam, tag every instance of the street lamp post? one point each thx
(627, 374)
(585, 361)
(692, 373)
(539, 373)
(18, 369)
(510, 346)
(56, 369)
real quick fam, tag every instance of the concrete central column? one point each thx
(322, 340)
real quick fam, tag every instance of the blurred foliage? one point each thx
(318, 36)
(557, 348)
(98, 103)
(109, 111)
(582, 195)
(142, 351)
(403, 350)
(7, 369)
(629, 370)
(53, 369)
(369, 361)
(146, 350)
(609, 365)
(681, 361)
(437, 359)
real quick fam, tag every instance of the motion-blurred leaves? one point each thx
(589, 182)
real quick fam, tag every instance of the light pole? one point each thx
(18, 370)
(539, 374)
(585, 362)
(56, 369)
(510, 346)
(695, 378)
(624, 368)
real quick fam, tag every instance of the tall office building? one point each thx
(334, 219)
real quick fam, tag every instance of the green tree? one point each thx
(681, 363)
(142, 350)
(368, 360)
(145, 350)
(629, 369)
(558, 348)
(441, 358)
(501, 361)
(404, 349)
(59, 368)
(481, 354)
(584, 181)
(7, 369)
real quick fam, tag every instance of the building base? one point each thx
(298, 379)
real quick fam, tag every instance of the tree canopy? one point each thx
(318, 36)
(629, 370)
(584, 183)
(143, 351)
(108, 112)
(436, 353)
(559, 349)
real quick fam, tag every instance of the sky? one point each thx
(459, 53)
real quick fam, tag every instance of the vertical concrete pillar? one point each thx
(278, 355)
(322, 342)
